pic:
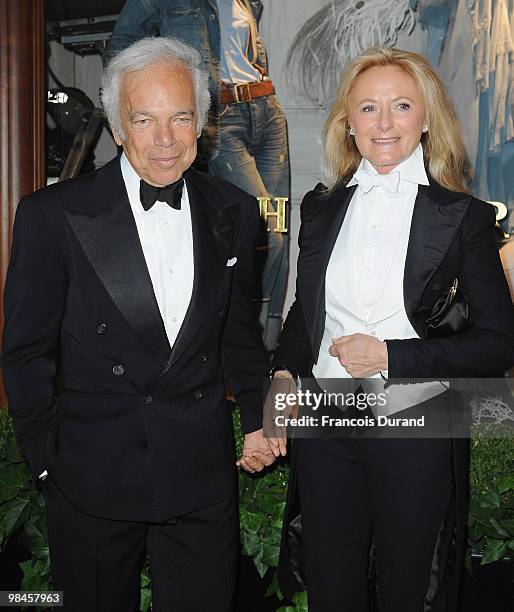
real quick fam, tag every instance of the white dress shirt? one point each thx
(166, 238)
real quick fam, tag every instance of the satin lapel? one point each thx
(319, 236)
(436, 217)
(108, 235)
(213, 231)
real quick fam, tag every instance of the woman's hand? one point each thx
(257, 452)
(361, 355)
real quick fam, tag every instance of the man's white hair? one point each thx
(143, 53)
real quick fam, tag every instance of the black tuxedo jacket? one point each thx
(127, 426)
(451, 236)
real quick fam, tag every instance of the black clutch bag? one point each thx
(450, 314)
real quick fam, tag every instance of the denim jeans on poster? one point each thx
(253, 155)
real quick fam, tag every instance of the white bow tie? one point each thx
(367, 180)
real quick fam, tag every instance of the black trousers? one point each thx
(97, 562)
(398, 489)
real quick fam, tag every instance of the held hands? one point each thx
(260, 452)
(361, 355)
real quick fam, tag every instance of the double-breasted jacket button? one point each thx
(118, 370)
(148, 399)
(101, 328)
(436, 287)
(197, 395)
(204, 358)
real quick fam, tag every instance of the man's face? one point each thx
(158, 116)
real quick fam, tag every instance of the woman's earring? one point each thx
(351, 131)
(425, 129)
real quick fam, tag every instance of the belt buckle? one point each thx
(242, 86)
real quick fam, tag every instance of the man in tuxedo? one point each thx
(244, 139)
(127, 304)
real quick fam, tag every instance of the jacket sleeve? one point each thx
(138, 19)
(488, 347)
(294, 349)
(34, 303)
(244, 359)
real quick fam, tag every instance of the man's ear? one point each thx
(117, 138)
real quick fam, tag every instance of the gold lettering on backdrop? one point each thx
(279, 213)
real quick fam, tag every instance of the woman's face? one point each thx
(387, 115)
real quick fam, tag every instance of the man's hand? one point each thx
(257, 452)
(361, 355)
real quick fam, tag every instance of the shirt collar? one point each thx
(132, 182)
(411, 169)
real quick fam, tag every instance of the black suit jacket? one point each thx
(451, 236)
(127, 426)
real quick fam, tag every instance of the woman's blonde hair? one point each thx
(444, 153)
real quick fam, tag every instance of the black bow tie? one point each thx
(171, 194)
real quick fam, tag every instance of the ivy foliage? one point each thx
(262, 501)
(491, 512)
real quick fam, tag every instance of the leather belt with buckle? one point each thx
(243, 92)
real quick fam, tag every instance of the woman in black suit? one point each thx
(392, 231)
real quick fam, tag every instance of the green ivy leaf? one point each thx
(12, 453)
(146, 599)
(252, 544)
(145, 578)
(499, 528)
(13, 478)
(274, 535)
(34, 537)
(494, 551)
(251, 522)
(13, 514)
(506, 484)
(480, 521)
(146, 589)
(491, 500)
(270, 554)
(300, 601)
(274, 587)
(34, 576)
(475, 536)
(278, 512)
(259, 565)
